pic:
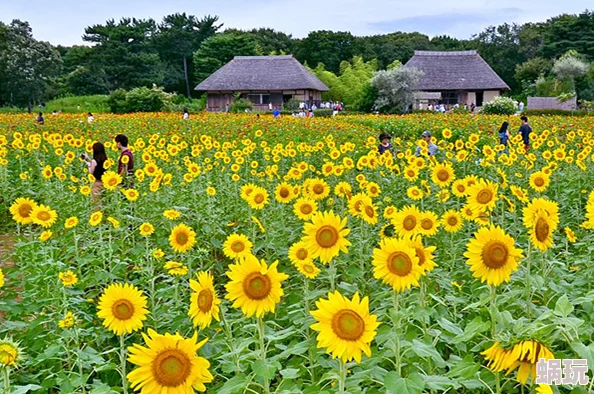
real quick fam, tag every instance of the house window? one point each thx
(259, 98)
(449, 97)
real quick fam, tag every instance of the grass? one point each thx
(74, 104)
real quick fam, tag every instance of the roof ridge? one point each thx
(266, 57)
(470, 52)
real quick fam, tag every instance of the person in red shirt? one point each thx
(125, 166)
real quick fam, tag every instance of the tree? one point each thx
(179, 36)
(569, 67)
(327, 47)
(28, 66)
(565, 32)
(531, 69)
(270, 41)
(219, 50)
(85, 81)
(395, 88)
(125, 51)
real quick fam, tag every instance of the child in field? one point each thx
(385, 144)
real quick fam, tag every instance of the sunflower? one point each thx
(254, 287)
(519, 193)
(44, 236)
(1, 278)
(452, 221)
(304, 208)
(523, 356)
(68, 320)
(387, 231)
(459, 188)
(96, 218)
(541, 234)
(492, 255)
(411, 173)
(171, 214)
(44, 216)
(482, 195)
(168, 364)
(21, 210)
(316, 189)
(284, 193)
(258, 198)
(182, 238)
(10, 353)
(176, 268)
(111, 180)
(549, 207)
(570, 235)
(539, 181)
(369, 214)
(442, 175)
(373, 189)
(325, 236)
(423, 253)
(204, 303)
(358, 202)
(343, 189)
(428, 223)
(237, 246)
(406, 221)
(390, 211)
(307, 268)
(298, 253)
(146, 229)
(396, 263)
(68, 278)
(122, 308)
(414, 193)
(71, 222)
(346, 328)
(131, 194)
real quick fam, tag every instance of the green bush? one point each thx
(139, 100)
(240, 105)
(539, 112)
(291, 105)
(193, 105)
(499, 106)
(117, 102)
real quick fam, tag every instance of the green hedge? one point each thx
(537, 112)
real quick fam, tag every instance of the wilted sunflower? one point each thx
(204, 303)
(305, 208)
(254, 287)
(111, 180)
(482, 196)
(492, 255)
(299, 253)
(168, 364)
(452, 221)
(237, 246)
(346, 328)
(523, 356)
(22, 209)
(182, 238)
(44, 216)
(442, 174)
(325, 236)
(146, 229)
(407, 221)
(122, 308)
(396, 263)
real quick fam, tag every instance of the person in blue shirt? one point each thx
(432, 149)
(525, 130)
(504, 134)
(276, 113)
(385, 144)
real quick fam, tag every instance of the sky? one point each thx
(63, 21)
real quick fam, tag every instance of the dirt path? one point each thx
(6, 248)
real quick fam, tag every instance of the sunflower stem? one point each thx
(341, 377)
(332, 273)
(396, 323)
(308, 331)
(6, 379)
(493, 308)
(261, 328)
(230, 341)
(123, 364)
(528, 284)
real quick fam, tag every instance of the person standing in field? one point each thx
(186, 115)
(126, 161)
(385, 144)
(90, 118)
(96, 169)
(525, 130)
(432, 149)
(40, 119)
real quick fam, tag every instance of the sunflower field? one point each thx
(261, 255)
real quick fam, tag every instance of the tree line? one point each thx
(182, 50)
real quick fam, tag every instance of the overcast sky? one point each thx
(63, 21)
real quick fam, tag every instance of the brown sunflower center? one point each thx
(484, 196)
(122, 309)
(238, 246)
(259, 198)
(427, 224)
(306, 209)
(373, 190)
(348, 325)
(420, 255)
(495, 254)
(284, 193)
(43, 216)
(461, 188)
(171, 367)
(205, 300)
(358, 206)
(409, 223)
(541, 229)
(302, 254)
(308, 268)
(327, 236)
(369, 211)
(399, 263)
(539, 181)
(318, 189)
(181, 238)
(443, 175)
(25, 210)
(113, 181)
(256, 286)
(452, 221)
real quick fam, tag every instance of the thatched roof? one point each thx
(455, 70)
(262, 73)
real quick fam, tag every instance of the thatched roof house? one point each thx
(461, 77)
(264, 80)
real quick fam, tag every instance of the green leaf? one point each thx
(450, 327)
(264, 370)
(25, 389)
(290, 373)
(439, 383)
(584, 351)
(563, 307)
(234, 385)
(395, 384)
(427, 351)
